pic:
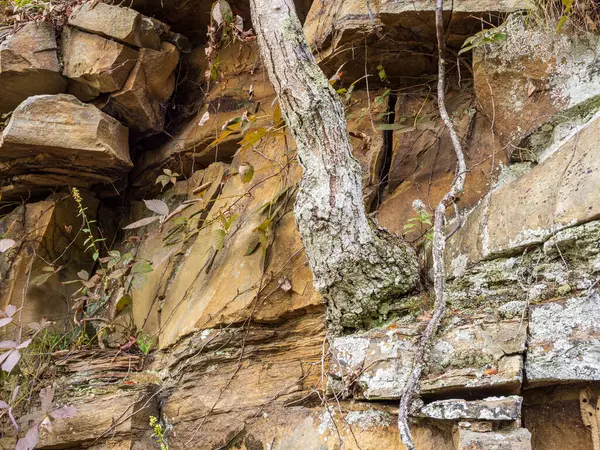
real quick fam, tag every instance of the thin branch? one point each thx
(439, 241)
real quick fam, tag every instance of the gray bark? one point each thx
(356, 266)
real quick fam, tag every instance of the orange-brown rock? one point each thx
(29, 65)
(93, 64)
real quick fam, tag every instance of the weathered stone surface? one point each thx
(115, 22)
(263, 404)
(423, 160)
(29, 65)
(192, 19)
(57, 134)
(93, 64)
(553, 415)
(558, 193)
(479, 355)
(207, 288)
(519, 439)
(506, 286)
(141, 103)
(564, 341)
(334, 28)
(189, 150)
(536, 81)
(491, 408)
(43, 232)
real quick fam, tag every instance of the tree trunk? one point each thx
(356, 266)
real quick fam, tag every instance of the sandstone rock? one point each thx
(116, 419)
(119, 23)
(29, 65)
(422, 160)
(335, 28)
(507, 286)
(553, 416)
(519, 439)
(558, 193)
(477, 355)
(43, 232)
(538, 75)
(563, 343)
(141, 103)
(491, 408)
(60, 135)
(240, 66)
(93, 64)
(263, 403)
(208, 288)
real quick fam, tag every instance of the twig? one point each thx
(439, 242)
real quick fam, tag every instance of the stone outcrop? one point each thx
(42, 232)
(59, 135)
(334, 28)
(492, 408)
(141, 103)
(93, 64)
(121, 24)
(555, 90)
(29, 65)
(221, 334)
(535, 206)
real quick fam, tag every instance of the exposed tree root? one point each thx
(439, 242)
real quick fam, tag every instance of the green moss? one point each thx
(563, 290)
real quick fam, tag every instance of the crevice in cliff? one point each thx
(388, 152)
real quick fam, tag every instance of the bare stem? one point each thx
(439, 242)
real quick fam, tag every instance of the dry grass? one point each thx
(580, 15)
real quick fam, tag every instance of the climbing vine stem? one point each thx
(439, 241)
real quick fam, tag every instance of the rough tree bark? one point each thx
(356, 266)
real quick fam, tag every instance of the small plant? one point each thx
(168, 176)
(421, 223)
(481, 38)
(91, 241)
(158, 433)
(144, 343)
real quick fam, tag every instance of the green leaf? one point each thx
(561, 22)
(218, 238)
(382, 75)
(95, 255)
(123, 305)
(246, 171)
(394, 127)
(41, 279)
(252, 244)
(142, 267)
(465, 49)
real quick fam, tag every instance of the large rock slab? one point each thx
(337, 29)
(57, 134)
(518, 439)
(201, 286)
(44, 232)
(29, 65)
(536, 83)
(141, 103)
(491, 408)
(564, 341)
(120, 23)
(560, 192)
(478, 355)
(93, 64)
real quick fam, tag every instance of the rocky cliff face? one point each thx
(175, 278)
